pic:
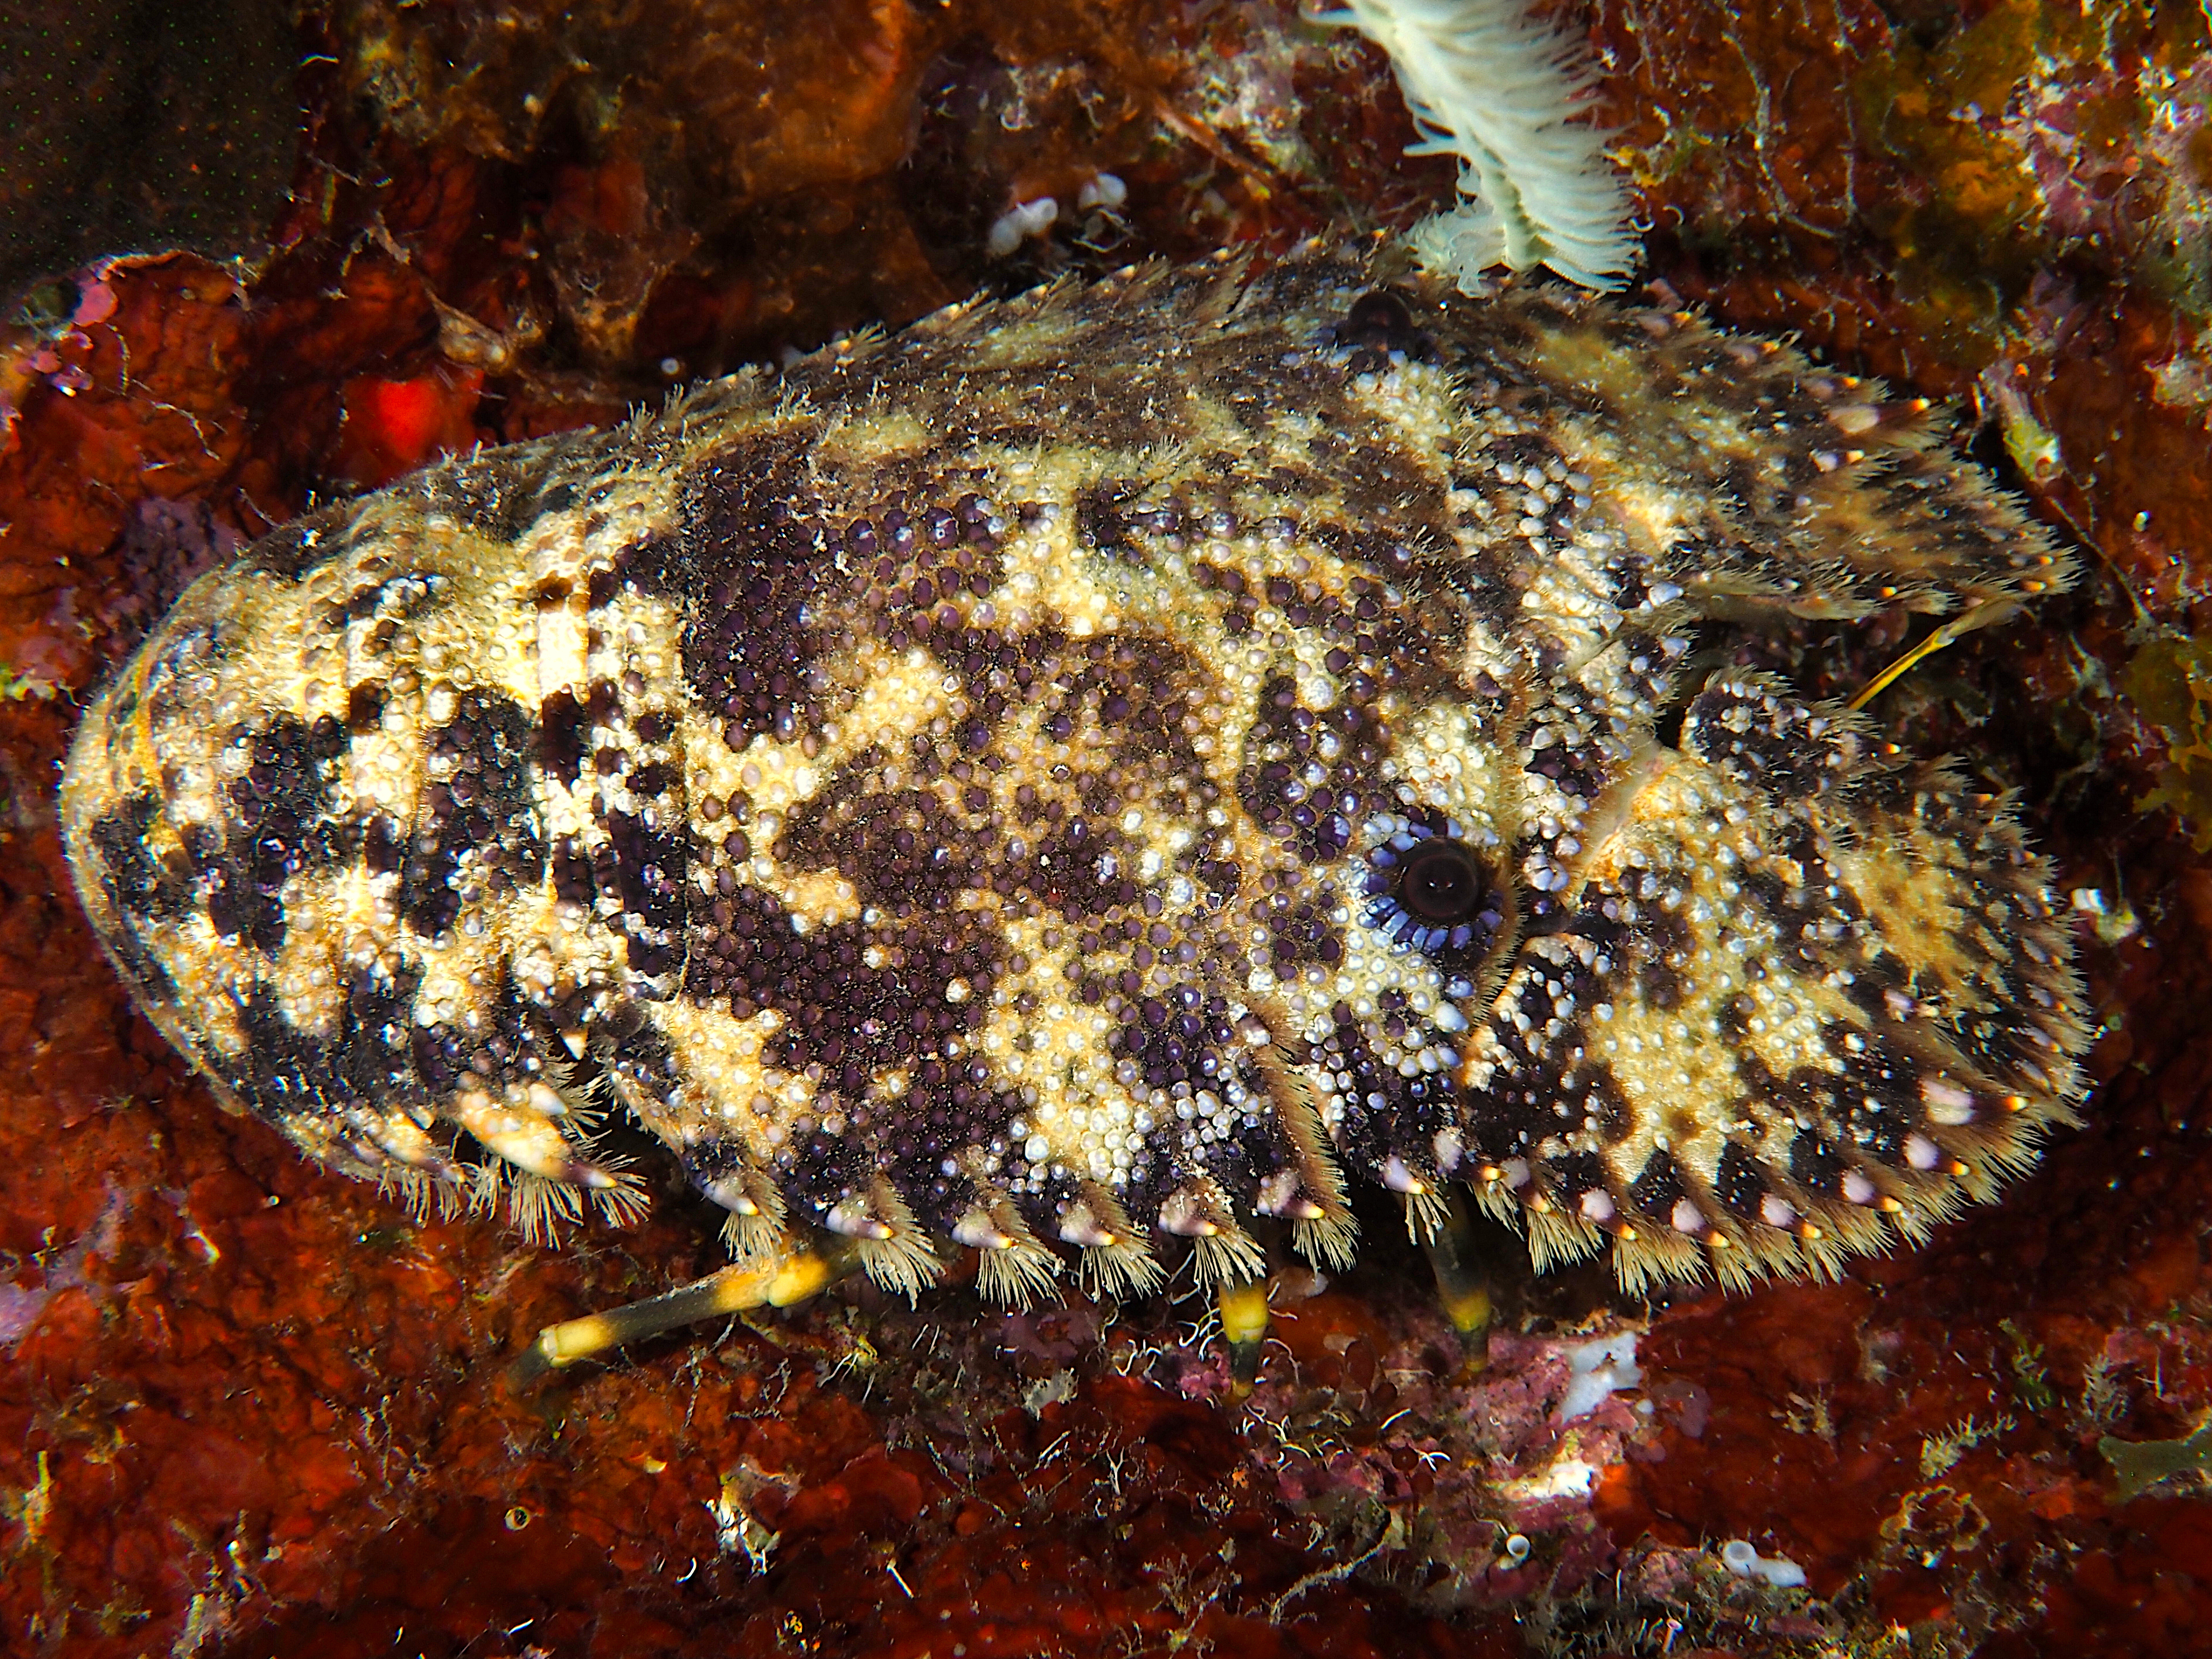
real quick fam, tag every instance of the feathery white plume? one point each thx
(1496, 87)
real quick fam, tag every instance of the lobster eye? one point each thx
(1440, 882)
(1433, 893)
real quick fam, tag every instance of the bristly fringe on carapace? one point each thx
(1497, 88)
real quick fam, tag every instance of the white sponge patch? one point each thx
(1596, 1368)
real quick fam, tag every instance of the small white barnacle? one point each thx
(944, 841)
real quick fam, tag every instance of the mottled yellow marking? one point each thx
(1442, 758)
(331, 920)
(726, 1085)
(895, 695)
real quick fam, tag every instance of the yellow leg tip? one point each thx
(1462, 1287)
(777, 1284)
(1468, 1309)
(1244, 1308)
(797, 1278)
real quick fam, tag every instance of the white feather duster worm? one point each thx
(1496, 87)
